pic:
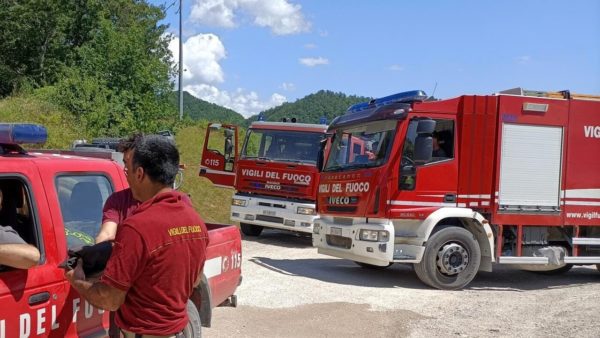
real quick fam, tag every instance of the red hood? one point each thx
(352, 193)
(289, 180)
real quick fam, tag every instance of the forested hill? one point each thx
(198, 109)
(311, 108)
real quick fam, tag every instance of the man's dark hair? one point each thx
(158, 156)
(128, 143)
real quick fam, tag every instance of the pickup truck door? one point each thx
(219, 154)
(37, 302)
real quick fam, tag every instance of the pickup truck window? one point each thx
(81, 199)
(16, 211)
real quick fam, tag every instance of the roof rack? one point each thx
(563, 94)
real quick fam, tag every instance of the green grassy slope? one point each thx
(212, 203)
(62, 130)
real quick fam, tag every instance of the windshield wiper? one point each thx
(262, 158)
(334, 168)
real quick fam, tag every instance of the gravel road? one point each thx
(291, 291)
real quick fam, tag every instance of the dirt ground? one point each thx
(289, 290)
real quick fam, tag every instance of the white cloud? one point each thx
(396, 68)
(281, 16)
(288, 86)
(523, 59)
(310, 46)
(244, 102)
(311, 62)
(218, 13)
(202, 54)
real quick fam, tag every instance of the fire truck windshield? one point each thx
(280, 145)
(362, 146)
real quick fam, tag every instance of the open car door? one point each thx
(219, 154)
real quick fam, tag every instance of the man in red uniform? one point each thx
(159, 250)
(121, 204)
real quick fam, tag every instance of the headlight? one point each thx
(374, 235)
(238, 202)
(305, 211)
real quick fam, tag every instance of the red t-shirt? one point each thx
(159, 252)
(118, 206)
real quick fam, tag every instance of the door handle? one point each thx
(450, 198)
(39, 298)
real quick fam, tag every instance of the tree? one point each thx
(108, 61)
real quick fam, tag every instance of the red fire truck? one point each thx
(458, 184)
(54, 201)
(275, 175)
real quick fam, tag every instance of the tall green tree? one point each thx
(108, 60)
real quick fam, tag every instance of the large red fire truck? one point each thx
(275, 176)
(455, 185)
(54, 201)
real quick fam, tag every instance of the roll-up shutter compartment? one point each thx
(530, 168)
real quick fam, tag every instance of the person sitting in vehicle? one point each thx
(14, 252)
(437, 150)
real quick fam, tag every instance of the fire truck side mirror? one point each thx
(228, 147)
(228, 133)
(423, 149)
(426, 127)
(321, 152)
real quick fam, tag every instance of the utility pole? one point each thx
(180, 62)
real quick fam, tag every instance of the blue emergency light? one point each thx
(407, 97)
(22, 133)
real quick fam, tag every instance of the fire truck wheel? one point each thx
(193, 327)
(451, 259)
(372, 266)
(251, 229)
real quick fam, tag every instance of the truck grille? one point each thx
(271, 219)
(341, 208)
(339, 241)
(273, 205)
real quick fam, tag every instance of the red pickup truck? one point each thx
(54, 202)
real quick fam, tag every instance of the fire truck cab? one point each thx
(459, 184)
(275, 175)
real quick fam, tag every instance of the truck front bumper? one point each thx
(273, 213)
(343, 240)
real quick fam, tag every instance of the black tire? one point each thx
(559, 271)
(193, 327)
(251, 229)
(372, 266)
(463, 255)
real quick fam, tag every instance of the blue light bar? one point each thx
(22, 133)
(404, 97)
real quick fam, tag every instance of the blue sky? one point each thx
(251, 55)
